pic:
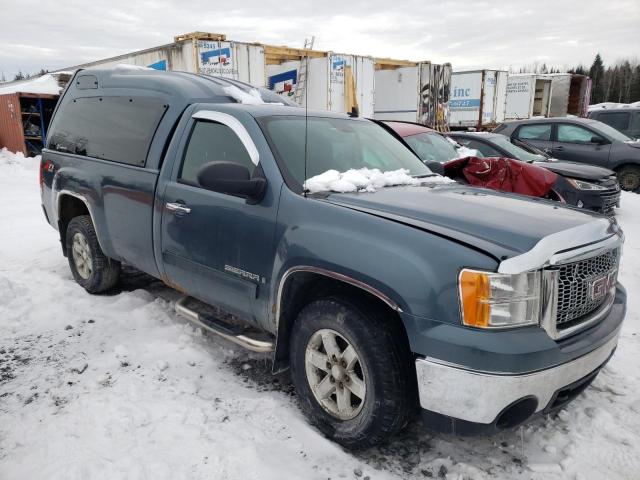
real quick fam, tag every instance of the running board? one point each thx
(233, 333)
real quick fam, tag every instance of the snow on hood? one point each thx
(365, 180)
(464, 152)
(45, 84)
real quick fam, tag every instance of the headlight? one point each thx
(580, 185)
(498, 300)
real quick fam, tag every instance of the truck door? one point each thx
(217, 247)
(580, 144)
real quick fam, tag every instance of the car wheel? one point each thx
(629, 178)
(91, 268)
(353, 371)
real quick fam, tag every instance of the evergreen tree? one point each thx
(596, 72)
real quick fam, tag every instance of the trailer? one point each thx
(528, 95)
(570, 94)
(478, 99)
(413, 91)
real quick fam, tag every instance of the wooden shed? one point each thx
(24, 119)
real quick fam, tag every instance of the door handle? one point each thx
(177, 208)
(559, 149)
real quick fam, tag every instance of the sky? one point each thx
(467, 34)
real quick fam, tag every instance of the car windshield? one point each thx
(610, 131)
(336, 144)
(515, 151)
(432, 147)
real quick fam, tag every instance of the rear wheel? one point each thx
(90, 267)
(629, 177)
(353, 371)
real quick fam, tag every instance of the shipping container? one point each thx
(478, 99)
(413, 91)
(336, 82)
(569, 94)
(528, 95)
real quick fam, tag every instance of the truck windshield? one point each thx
(337, 144)
(431, 147)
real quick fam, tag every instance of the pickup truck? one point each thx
(478, 309)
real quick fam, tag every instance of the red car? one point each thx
(444, 156)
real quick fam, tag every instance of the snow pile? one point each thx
(45, 84)
(252, 97)
(365, 180)
(118, 387)
(18, 160)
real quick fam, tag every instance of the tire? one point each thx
(385, 366)
(629, 177)
(91, 268)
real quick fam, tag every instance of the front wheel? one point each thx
(629, 178)
(353, 371)
(90, 267)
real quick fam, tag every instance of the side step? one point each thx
(244, 336)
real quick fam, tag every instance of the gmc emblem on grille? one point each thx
(599, 287)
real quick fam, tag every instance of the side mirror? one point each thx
(599, 140)
(233, 179)
(436, 167)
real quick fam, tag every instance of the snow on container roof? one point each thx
(45, 85)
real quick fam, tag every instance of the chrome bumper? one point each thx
(480, 397)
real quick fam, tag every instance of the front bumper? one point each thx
(481, 397)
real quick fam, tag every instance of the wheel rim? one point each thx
(82, 255)
(630, 181)
(335, 374)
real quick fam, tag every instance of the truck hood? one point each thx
(577, 170)
(500, 224)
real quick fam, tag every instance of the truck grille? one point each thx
(575, 286)
(610, 200)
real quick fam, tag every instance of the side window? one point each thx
(119, 129)
(618, 120)
(212, 142)
(574, 134)
(635, 123)
(483, 148)
(535, 132)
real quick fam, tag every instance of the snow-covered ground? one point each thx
(119, 387)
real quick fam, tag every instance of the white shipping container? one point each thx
(569, 94)
(528, 95)
(478, 98)
(325, 84)
(414, 93)
(236, 60)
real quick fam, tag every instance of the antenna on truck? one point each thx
(301, 84)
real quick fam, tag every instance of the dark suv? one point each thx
(581, 140)
(625, 120)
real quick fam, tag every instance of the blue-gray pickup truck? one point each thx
(477, 309)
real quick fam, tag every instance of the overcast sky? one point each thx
(468, 34)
